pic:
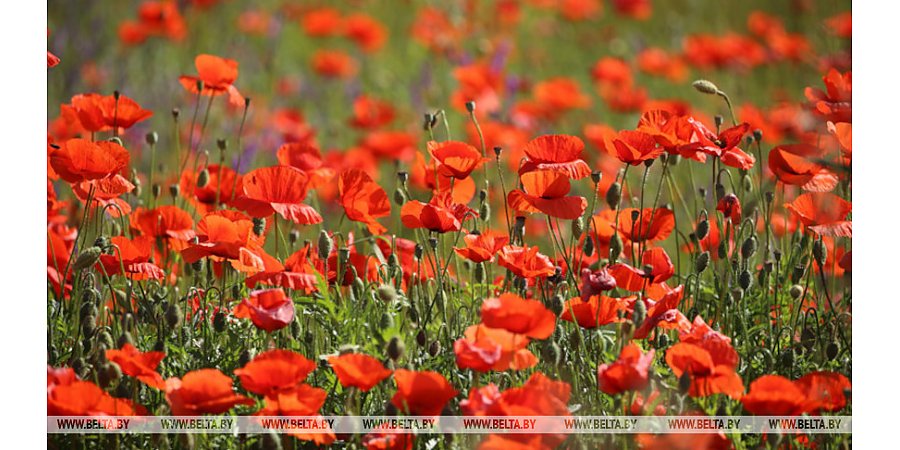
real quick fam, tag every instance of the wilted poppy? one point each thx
(358, 370)
(275, 371)
(526, 262)
(517, 315)
(363, 199)
(595, 282)
(545, 191)
(422, 393)
(268, 309)
(204, 391)
(218, 76)
(628, 373)
(482, 246)
(139, 365)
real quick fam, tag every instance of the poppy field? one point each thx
(464, 208)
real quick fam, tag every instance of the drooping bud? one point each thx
(399, 197)
(259, 225)
(615, 247)
(173, 315)
(480, 274)
(203, 178)
(588, 247)
(705, 87)
(395, 348)
(819, 252)
(701, 263)
(87, 258)
(613, 195)
(578, 227)
(325, 243)
(485, 210)
(639, 314)
(702, 229)
(434, 348)
(745, 279)
(748, 248)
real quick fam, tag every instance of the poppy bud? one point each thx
(116, 140)
(684, 382)
(596, 176)
(819, 252)
(399, 197)
(635, 215)
(722, 250)
(245, 357)
(325, 243)
(259, 225)
(702, 192)
(88, 325)
(470, 106)
(219, 321)
(159, 346)
(107, 373)
(578, 226)
(613, 195)
(748, 248)
(615, 247)
(173, 316)
(125, 338)
(387, 293)
(197, 265)
(293, 237)
(88, 309)
(174, 190)
(433, 242)
(719, 120)
(395, 348)
(705, 87)
(427, 121)
(797, 273)
(720, 191)
(87, 258)
(557, 304)
(639, 314)
(745, 279)
(387, 321)
(588, 247)
(105, 339)
(551, 353)
(737, 295)
(434, 348)
(103, 243)
(359, 286)
(497, 151)
(485, 210)
(519, 228)
(747, 183)
(796, 291)
(702, 262)
(480, 273)
(662, 340)
(748, 141)
(203, 178)
(418, 251)
(574, 340)
(520, 283)
(831, 350)
(758, 135)
(156, 190)
(702, 229)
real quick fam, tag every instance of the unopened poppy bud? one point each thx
(386, 321)
(485, 210)
(797, 273)
(758, 135)
(107, 373)
(418, 251)
(613, 195)
(519, 227)
(402, 177)
(116, 140)
(197, 265)
(737, 295)
(395, 348)
(174, 190)
(173, 315)
(722, 250)
(720, 191)
(433, 242)
(718, 120)
(702, 229)
(831, 350)
(325, 243)
(88, 325)
(152, 138)
(387, 293)
(748, 141)
(245, 357)
(578, 227)
(662, 340)
(684, 382)
(705, 87)
(819, 252)
(399, 197)
(588, 247)
(293, 237)
(222, 144)
(574, 340)
(470, 106)
(259, 225)
(747, 183)
(648, 162)
(557, 304)
(434, 348)
(796, 291)
(125, 338)
(596, 176)
(159, 346)
(748, 248)
(219, 321)
(203, 178)
(359, 286)
(87, 258)
(745, 279)
(702, 262)
(105, 339)
(520, 283)
(103, 243)
(615, 247)
(497, 151)
(635, 215)
(427, 121)
(551, 353)
(639, 314)
(770, 196)
(479, 273)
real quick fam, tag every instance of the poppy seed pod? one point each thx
(588, 247)
(497, 151)
(325, 243)
(395, 348)
(819, 252)
(748, 248)
(639, 314)
(614, 195)
(485, 210)
(293, 237)
(578, 227)
(399, 197)
(173, 316)
(684, 382)
(470, 106)
(197, 265)
(219, 321)
(174, 190)
(87, 258)
(796, 291)
(434, 348)
(705, 87)
(480, 274)
(702, 262)
(745, 279)
(203, 178)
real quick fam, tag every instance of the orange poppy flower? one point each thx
(544, 191)
(274, 371)
(775, 395)
(835, 103)
(422, 393)
(825, 390)
(479, 355)
(558, 95)
(298, 272)
(483, 348)
(368, 33)
(227, 236)
(597, 311)
(204, 391)
(635, 147)
(307, 158)
(223, 184)
(358, 370)
(80, 160)
(455, 159)
(139, 365)
(218, 76)
(684, 441)
(628, 373)
(730, 207)
(106, 192)
(390, 145)
(427, 176)
(823, 213)
(322, 22)
(170, 223)
(363, 199)
(843, 132)
(302, 400)
(481, 247)
(369, 113)
(708, 373)
(652, 224)
(556, 152)
(333, 64)
(671, 131)
(135, 257)
(268, 309)
(791, 165)
(122, 113)
(517, 315)
(441, 214)
(83, 398)
(277, 189)
(525, 262)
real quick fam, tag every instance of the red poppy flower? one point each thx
(791, 164)
(391, 145)
(170, 223)
(652, 224)
(825, 390)
(477, 354)
(204, 391)
(427, 176)
(139, 365)
(671, 132)
(307, 158)
(708, 373)
(525, 262)
(365, 31)
(384, 439)
(556, 152)
(636, 280)
(593, 283)
(227, 236)
(83, 398)
(635, 147)
(268, 309)
(558, 95)
(333, 64)
(280, 189)
(455, 159)
(358, 370)
(52, 60)
(730, 207)
(823, 213)
(218, 76)
(363, 199)
(223, 185)
(122, 113)
(545, 191)
(835, 103)
(668, 441)
(484, 348)
(301, 400)
(843, 132)
(517, 315)
(774, 395)
(275, 371)
(482, 246)
(422, 393)
(106, 191)
(636, 9)
(628, 373)
(298, 272)
(597, 311)
(79, 160)
(369, 113)
(322, 22)
(664, 314)
(133, 255)
(441, 214)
